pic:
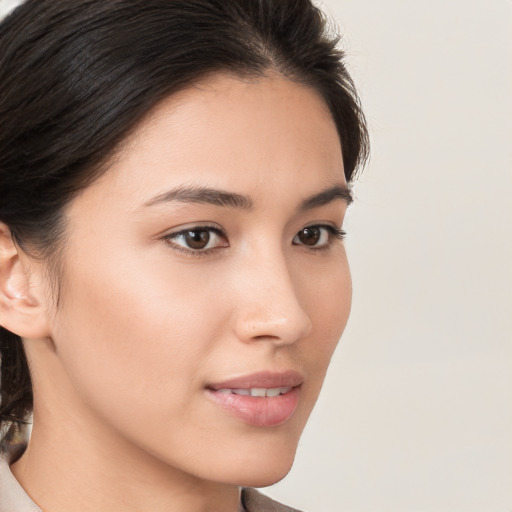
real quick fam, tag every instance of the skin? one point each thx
(121, 417)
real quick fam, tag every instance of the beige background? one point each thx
(416, 414)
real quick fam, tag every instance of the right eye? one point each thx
(197, 239)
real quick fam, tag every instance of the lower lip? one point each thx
(259, 411)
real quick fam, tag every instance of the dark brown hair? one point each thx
(76, 76)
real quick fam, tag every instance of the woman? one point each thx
(173, 180)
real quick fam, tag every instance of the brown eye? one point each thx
(197, 238)
(317, 236)
(309, 236)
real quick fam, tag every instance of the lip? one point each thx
(268, 411)
(263, 379)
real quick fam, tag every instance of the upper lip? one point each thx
(265, 379)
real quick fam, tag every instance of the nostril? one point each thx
(264, 336)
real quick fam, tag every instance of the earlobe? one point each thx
(21, 309)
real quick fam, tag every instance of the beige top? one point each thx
(13, 497)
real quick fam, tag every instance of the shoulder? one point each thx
(13, 497)
(254, 501)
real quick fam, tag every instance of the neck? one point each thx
(102, 472)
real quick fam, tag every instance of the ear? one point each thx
(22, 300)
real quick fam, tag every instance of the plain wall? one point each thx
(416, 412)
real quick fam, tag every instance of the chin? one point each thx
(259, 467)
(264, 476)
(262, 457)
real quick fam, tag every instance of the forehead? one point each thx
(233, 133)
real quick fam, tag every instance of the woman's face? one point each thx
(206, 265)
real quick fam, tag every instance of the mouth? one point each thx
(259, 392)
(262, 399)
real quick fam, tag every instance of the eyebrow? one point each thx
(203, 195)
(206, 195)
(327, 196)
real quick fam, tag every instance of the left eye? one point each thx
(316, 236)
(198, 239)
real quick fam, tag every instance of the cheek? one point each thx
(327, 297)
(126, 331)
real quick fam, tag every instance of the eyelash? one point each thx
(332, 232)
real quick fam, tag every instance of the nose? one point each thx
(269, 307)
